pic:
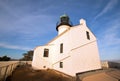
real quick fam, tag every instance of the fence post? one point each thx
(11, 69)
(4, 77)
(0, 71)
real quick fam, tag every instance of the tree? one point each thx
(28, 56)
(5, 58)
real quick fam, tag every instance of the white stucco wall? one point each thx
(66, 47)
(80, 60)
(78, 36)
(73, 39)
(67, 66)
(85, 58)
(39, 62)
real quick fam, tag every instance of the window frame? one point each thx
(88, 35)
(46, 52)
(61, 65)
(61, 48)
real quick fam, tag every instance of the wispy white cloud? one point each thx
(5, 45)
(21, 28)
(109, 42)
(8, 8)
(111, 34)
(108, 7)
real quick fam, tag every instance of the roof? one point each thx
(64, 15)
(58, 36)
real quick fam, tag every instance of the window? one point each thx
(88, 36)
(44, 66)
(61, 64)
(61, 48)
(64, 19)
(46, 52)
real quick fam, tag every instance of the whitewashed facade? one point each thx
(74, 50)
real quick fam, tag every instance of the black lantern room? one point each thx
(64, 20)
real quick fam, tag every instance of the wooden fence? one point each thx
(7, 68)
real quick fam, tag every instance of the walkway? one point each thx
(101, 75)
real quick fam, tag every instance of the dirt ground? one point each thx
(26, 73)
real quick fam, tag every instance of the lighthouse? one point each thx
(73, 50)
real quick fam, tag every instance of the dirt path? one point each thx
(26, 73)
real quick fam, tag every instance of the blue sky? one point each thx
(25, 24)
